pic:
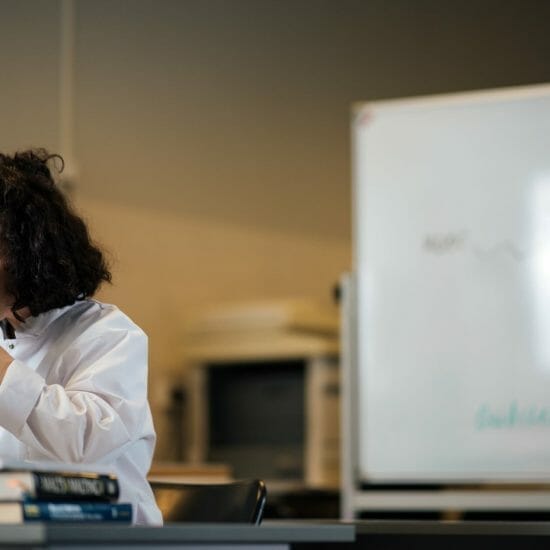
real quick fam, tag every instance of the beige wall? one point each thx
(167, 265)
(29, 71)
(212, 135)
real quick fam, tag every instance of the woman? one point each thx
(73, 371)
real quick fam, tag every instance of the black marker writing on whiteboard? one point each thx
(444, 243)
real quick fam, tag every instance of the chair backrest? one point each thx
(238, 501)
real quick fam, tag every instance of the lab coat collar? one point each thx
(34, 326)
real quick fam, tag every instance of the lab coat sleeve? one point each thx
(94, 410)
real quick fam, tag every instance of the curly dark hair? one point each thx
(46, 253)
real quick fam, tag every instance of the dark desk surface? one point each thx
(441, 535)
(108, 534)
(452, 528)
(372, 535)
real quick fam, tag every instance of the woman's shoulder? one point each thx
(94, 317)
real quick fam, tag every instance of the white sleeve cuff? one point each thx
(19, 392)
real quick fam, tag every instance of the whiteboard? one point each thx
(452, 257)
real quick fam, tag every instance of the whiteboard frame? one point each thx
(514, 495)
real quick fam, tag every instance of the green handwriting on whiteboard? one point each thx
(512, 416)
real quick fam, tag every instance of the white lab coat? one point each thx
(77, 392)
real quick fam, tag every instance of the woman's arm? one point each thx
(90, 416)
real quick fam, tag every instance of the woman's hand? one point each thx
(5, 361)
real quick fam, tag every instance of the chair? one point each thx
(238, 501)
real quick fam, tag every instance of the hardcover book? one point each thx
(30, 510)
(38, 481)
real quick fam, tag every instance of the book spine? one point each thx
(77, 511)
(64, 486)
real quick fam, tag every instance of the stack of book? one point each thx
(55, 492)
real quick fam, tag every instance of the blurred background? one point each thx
(207, 144)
